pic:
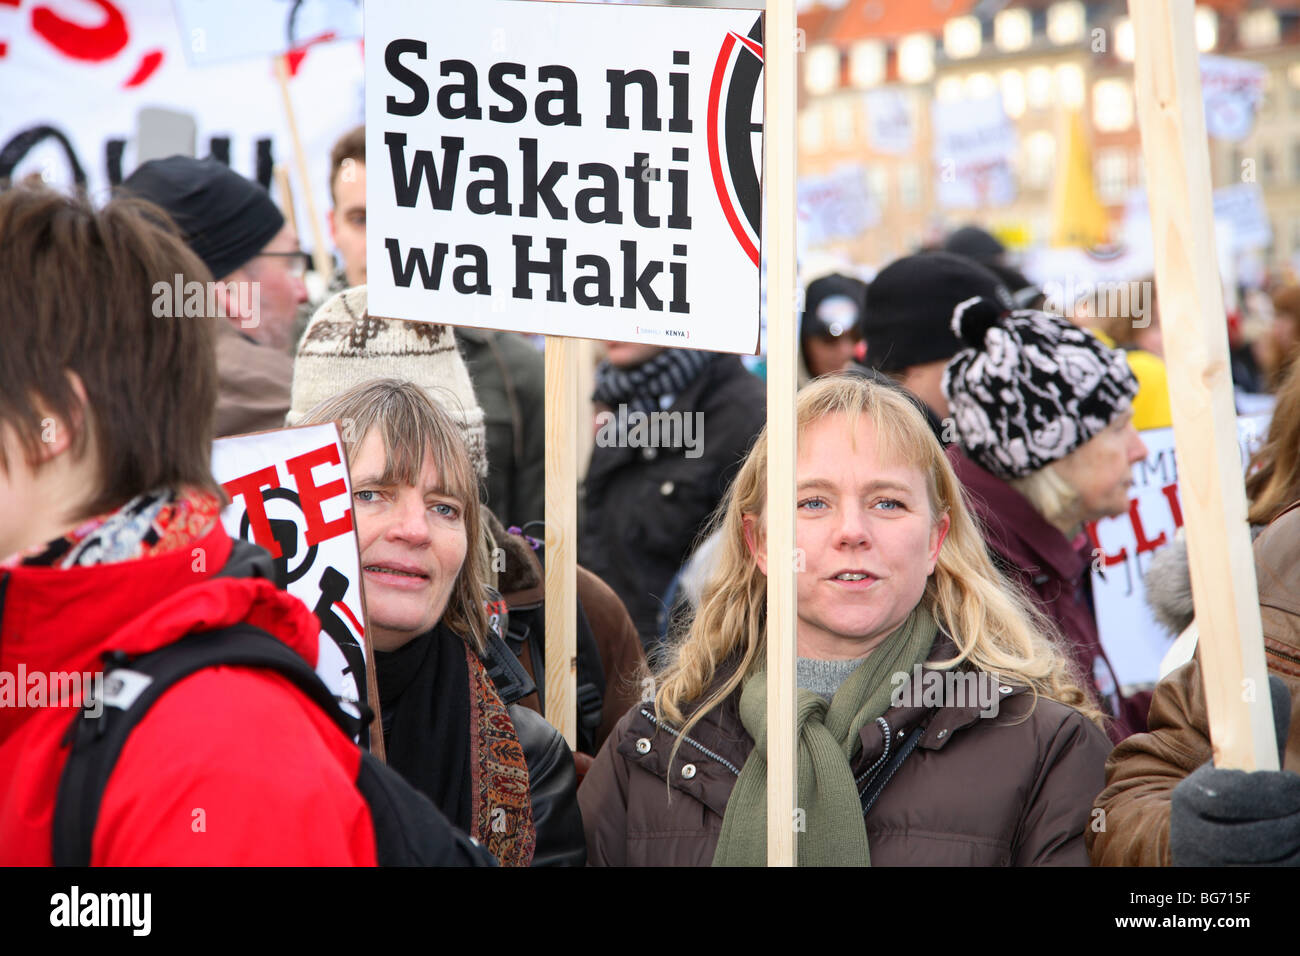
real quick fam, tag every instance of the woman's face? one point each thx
(413, 544)
(866, 539)
(1101, 469)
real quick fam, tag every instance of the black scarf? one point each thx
(668, 373)
(424, 697)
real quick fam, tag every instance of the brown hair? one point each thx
(351, 145)
(78, 287)
(412, 426)
(1275, 476)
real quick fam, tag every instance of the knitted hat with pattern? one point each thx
(1030, 387)
(345, 346)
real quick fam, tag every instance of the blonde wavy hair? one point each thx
(995, 627)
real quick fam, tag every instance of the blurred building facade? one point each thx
(1047, 58)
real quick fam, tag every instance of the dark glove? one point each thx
(1237, 817)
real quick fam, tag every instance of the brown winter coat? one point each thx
(253, 383)
(1009, 790)
(1143, 770)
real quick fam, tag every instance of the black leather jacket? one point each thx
(552, 775)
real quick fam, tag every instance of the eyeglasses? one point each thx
(296, 263)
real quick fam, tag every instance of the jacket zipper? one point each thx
(1286, 657)
(694, 743)
(889, 736)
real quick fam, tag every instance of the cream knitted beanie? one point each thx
(345, 346)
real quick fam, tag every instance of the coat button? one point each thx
(1004, 689)
(666, 488)
(942, 734)
(649, 454)
(688, 771)
(643, 745)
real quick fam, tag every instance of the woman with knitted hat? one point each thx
(1044, 415)
(936, 725)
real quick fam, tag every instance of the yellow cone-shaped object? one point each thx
(1078, 217)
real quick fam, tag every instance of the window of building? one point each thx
(811, 134)
(1207, 29)
(909, 185)
(1038, 87)
(1012, 83)
(1013, 30)
(1065, 22)
(867, 63)
(980, 85)
(844, 122)
(1267, 166)
(1069, 85)
(1039, 157)
(961, 37)
(1259, 28)
(1112, 105)
(1112, 175)
(1123, 34)
(948, 88)
(878, 181)
(916, 58)
(821, 69)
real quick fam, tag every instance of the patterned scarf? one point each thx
(501, 809)
(150, 524)
(668, 373)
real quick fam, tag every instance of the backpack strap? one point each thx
(131, 687)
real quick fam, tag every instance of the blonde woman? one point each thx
(937, 724)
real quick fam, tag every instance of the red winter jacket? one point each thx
(232, 766)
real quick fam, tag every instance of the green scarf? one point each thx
(833, 831)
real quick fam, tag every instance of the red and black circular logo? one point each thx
(736, 134)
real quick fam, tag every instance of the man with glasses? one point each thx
(245, 242)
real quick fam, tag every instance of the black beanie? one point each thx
(832, 307)
(1030, 387)
(975, 243)
(225, 218)
(910, 304)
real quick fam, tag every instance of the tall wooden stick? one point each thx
(320, 252)
(779, 245)
(562, 536)
(1174, 147)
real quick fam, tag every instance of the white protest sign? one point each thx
(1232, 90)
(837, 206)
(84, 85)
(291, 494)
(889, 122)
(567, 169)
(1242, 205)
(219, 30)
(1124, 546)
(974, 144)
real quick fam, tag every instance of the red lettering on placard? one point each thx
(1175, 508)
(148, 64)
(1108, 560)
(312, 495)
(1143, 543)
(93, 44)
(250, 486)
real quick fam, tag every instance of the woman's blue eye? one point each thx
(809, 502)
(446, 510)
(358, 495)
(890, 501)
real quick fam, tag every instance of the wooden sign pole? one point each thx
(562, 536)
(1168, 86)
(779, 158)
(320, 252)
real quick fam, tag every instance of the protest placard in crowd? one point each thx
(1124, 546)
(290, 493)
(566, 169)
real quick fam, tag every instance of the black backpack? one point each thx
(409, 829)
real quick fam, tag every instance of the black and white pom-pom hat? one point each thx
(1030, 387)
